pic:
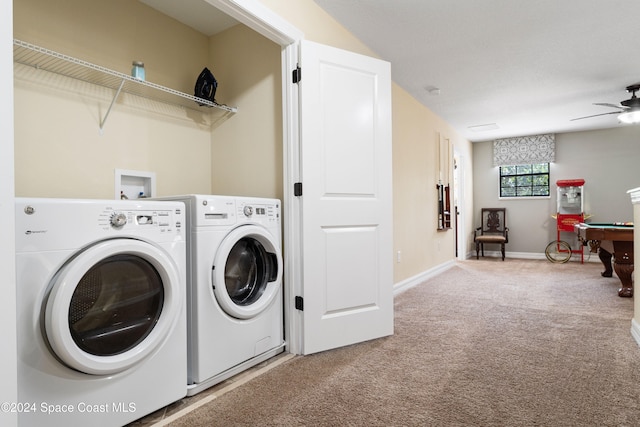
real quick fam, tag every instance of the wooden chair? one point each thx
(493, 229)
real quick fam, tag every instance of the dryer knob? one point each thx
(248, 210)
(118, 220)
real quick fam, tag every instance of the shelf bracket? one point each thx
(104, 120)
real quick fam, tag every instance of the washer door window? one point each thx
(112, 305)
(247, 272)
(115, 305)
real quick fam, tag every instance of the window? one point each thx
(524, 180)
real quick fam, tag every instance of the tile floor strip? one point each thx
(222, 391)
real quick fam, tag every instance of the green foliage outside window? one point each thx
(524, 180)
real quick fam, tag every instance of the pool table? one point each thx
(616, 239)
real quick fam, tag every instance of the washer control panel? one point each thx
(119, 219)
(44, 224)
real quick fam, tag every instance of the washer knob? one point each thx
(118, 219)
(248, 210)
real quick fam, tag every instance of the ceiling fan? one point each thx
(628, 110)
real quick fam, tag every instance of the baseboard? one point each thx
(507, 254)
(635, 331)
(531, 255)
(419, 278)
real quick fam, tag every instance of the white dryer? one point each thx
(234, 285)
(101, 321)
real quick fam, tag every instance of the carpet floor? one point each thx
(486, 343)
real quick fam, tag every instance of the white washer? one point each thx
(101, 321)
(234, 285)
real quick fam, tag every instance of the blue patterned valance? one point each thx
(524, 150)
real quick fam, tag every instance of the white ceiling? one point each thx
(527, 66)
(197, 14)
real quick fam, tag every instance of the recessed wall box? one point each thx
(132, 184)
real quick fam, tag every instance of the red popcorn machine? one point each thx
(569, 212)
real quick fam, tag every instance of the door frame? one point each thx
(459, 188)
(9, 358)
(270, 25)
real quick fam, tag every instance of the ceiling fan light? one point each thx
(630, 117)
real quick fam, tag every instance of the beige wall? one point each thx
(67, 155)
(246, 150)
(60, 150)
(317, 25)
(416, 133)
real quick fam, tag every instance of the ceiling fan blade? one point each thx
(625, 106)
(596, 115)
(605, 104)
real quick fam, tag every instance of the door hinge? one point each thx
(297, 74)
(299, 303)
(297, 189)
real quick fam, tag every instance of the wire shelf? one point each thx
(54, 62)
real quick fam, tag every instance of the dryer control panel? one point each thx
(255, 211)
(223, 211)
(215, 210)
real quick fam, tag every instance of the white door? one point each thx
(347, 278)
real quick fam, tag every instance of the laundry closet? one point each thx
(70, 140)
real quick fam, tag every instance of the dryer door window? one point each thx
(115, 305)
(247, 273)
(112, 305)
(248, 270)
